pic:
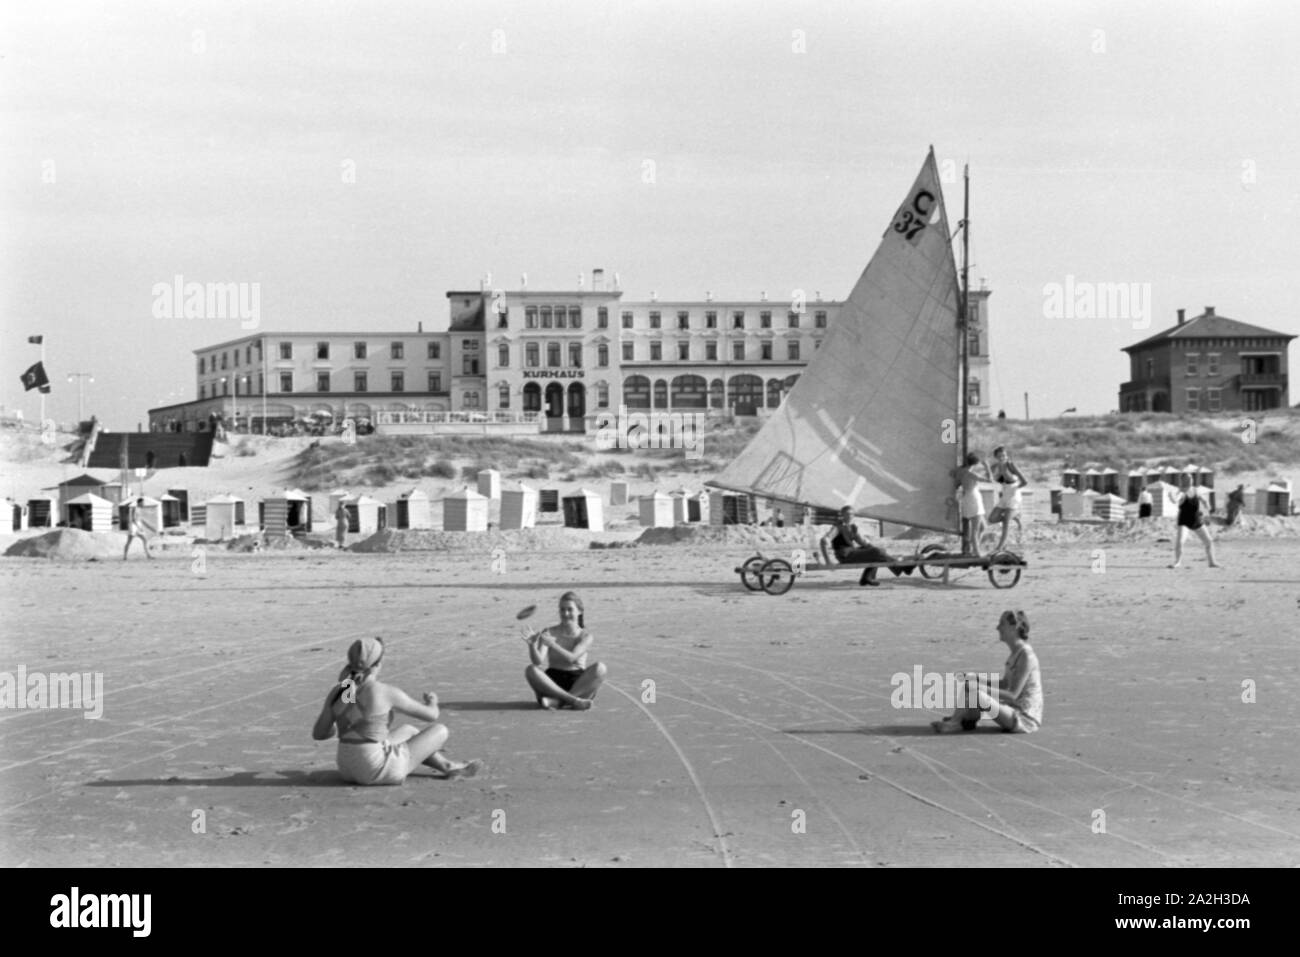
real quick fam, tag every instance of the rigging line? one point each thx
(690, 771)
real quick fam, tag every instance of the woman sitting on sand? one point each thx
(1019, 703)
(362, 706)
(559, 674)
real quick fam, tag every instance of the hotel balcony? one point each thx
(1262, 380)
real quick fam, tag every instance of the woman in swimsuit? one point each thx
(972, 503)
(362, 706)
(559, 673)
(1009, 480)
(1191, 516)
(1018, 705)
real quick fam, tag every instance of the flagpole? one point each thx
(42, 393)
(966, 543)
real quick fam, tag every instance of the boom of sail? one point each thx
(873, 421)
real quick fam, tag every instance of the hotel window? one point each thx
(1193, 400)
(261, 387)
(1213, 400)
(627, 320)
(546, 317)
(322, 350)
(817, 344)
(532, 400)
(602, 317)
(767, 350)
(765, 319)
(224, 360)
(286, 381)
(200, 365)
(469, 365)
(792, 350)
(602, 356)
(530, 317)
(654, 320)
(471, 400)
(973, 391)
(503, 396)
(553, 355)
(683, 320)
(738, 350)
(397, 350)
(531, 359)
(1192, 359)
(435, 381)
(236, 358)
(656, 351)
(627, 352)
(1151, 368)
(738, 319)
(819, 319)
(259, 348)
(575, 355)
(602, 396)
(225, 387)
(711, 351)
(286, 350)
(203, 392)
(248, 355)
(792, 319)
(575, 317)
(684, 351)
(503, 356)
(711, 320)
(1212, 364)
(973, 342)
(435, 350)
(399, 381)
(559, 318)
(359, 350)
(503, 315)
(322, 381)
(358, 382)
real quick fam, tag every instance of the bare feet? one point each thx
(548, 704)
(581, 704)
(1176, 565)
(464, 769)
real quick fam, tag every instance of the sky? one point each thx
(356, 160)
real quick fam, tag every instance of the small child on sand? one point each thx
(571, 682)
(1019, 704)
(362, 707)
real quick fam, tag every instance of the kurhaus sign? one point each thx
(553, 373)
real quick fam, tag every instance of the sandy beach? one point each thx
(735, 729)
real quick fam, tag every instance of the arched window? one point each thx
(636, 392)
(773, 393)
(661, 394)
(690, 392)
(745, 394)
(503, 395)
(532, 397)
(715, 394)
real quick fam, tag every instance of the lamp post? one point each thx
(82, 378)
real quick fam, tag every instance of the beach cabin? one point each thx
(679, 506)
(1108, 508)
(465, 511)
(336, 496)
(697, 508)
(1205, 477)
(655, 510)
(1172, 476)
(1031, 505)
(1154, 475)
(732, 508)
(583, 509)
(40, 512)
(489, 483)
(617, 493)
(90, 513)
(413, 510)
(518, 507)
(10, 517)
(548, 500)
(285, 513)
(150, 514)
(74, 488)
(1091, 480)
(1278, 498)
(221, 516)
(182, 496)
(171, 510)
(1134, 482)
(114, 492)
(1077, 505)
(1054, 499)
(1164, 500)
(1109, 482)
(1070, 479)
(366, 515)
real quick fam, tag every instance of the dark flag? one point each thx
(45, 389)
(35, 340)
(35, 378)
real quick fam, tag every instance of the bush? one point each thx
(442, 470)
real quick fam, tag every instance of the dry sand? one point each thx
(769, 738)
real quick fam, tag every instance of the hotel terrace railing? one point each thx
(447, 418)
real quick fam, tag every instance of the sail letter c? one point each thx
(923, 211)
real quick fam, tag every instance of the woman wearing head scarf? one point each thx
(362, 708)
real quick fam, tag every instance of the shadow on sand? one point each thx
(895, 731)
(240, 779)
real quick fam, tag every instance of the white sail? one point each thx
(873, 421)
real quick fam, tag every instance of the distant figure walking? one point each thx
(340, 525)
(1236, 502)
(559, 674)
(1191, 517)
(136, 529)
(362, 708)
(1145, 502)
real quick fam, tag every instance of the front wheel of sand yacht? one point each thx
(931, 571)
(749, 576)
(777, 576)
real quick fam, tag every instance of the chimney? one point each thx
(598, 280)
(818, 295)
(582, 277)
(523, 281)
(1209, 310)
(654, 296)
(419, 327)
(1181, 316)
(708, 295)
(762, 296)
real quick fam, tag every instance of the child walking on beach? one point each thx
(1019, 703)
(559, 673)
(362, 707)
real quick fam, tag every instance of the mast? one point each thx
(964, 316)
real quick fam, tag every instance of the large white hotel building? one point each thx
(549, 361)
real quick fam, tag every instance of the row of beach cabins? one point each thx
(96, 505)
